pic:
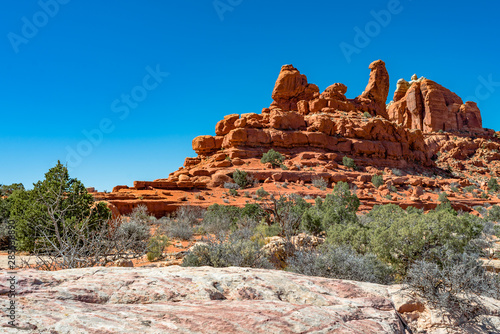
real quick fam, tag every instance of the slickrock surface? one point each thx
(197, 300)
(217, 300)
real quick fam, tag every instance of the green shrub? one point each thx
(233, 192)
(219, 218)
(264, 230)
(240, 178)
(402, 237)
(377, 180)
(261, 192)
(340, 263)
(443, 197)
(283, 167)
(348, 162)
(156, 246)
(366, 114)
(311, 221)
(493, 185)
(275, 158)
(58, 200)
(469, 189)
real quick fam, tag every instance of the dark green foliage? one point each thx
(377, 180)
(261, 192)
(6, 190)
(469, 189)
(287, 212)
(253, 211)
(348, 162)
(275, 158)
(58, 200)
(402, 237)
(233, 192)
(341, 263)
(443, 197)
(240, 178)
(493, 185)
(338, 210)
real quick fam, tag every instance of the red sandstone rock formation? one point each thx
(315, 131)
(430, 107)
(293, 93)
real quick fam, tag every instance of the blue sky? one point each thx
(130, 83)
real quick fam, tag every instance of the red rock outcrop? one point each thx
(314, 132)
(430, 107)
(290, 88)
(292, 92)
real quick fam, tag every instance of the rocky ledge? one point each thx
(211, 300)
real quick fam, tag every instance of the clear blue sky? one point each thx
(69, 68)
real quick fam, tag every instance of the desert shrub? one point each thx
(5, 204)
(240, 178)
(493, 184)
(454, 187)
(275, 158)
(469, 189)
(494, 213)
(377, 180)
(340, 206)
(320, 183)
(334, 214)
(253, 211)
(312, 221)
(402, 237)
(348, 162)
(178, 228)
(366, 114)
(220, 218)
(443, 197)
(231, 185)
(190, 214)
(264, 230)
(41, 214)
(261, 192)
(135, 232)
(455, 285)
(283, 167)
(156, 247)
(233, 192)
(397, 172)
(341, 263)
(286, 212)
(237, 249)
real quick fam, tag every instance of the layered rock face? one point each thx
(302, 117)
(428, 106)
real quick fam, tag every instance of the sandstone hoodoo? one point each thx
(424, 138)
(428, 106)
